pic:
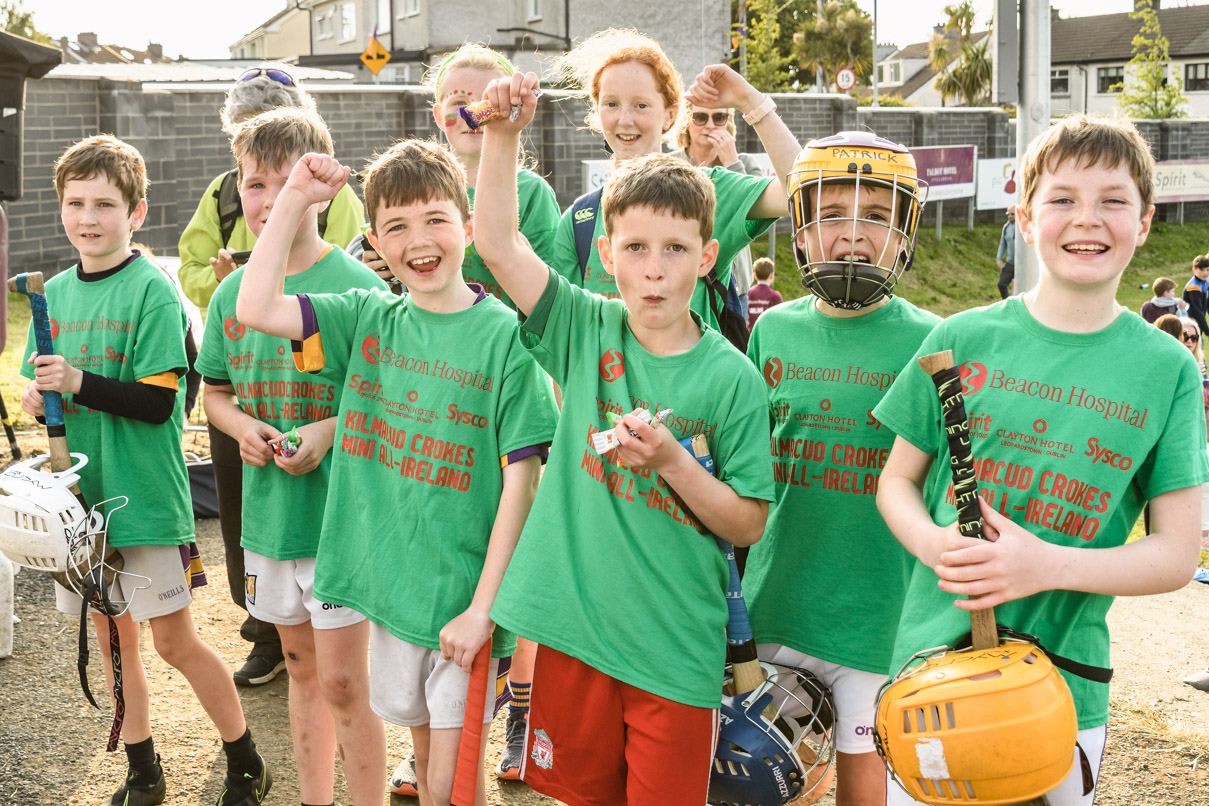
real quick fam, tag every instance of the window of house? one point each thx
(1059, 82)
(383, 17)
(348, 22)
(1107, 76)
(408, 8)
(1196, 77)
(892, 73)
(323, 25)
(533, 9)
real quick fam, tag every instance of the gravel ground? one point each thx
(52, 744)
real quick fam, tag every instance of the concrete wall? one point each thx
(177, 129)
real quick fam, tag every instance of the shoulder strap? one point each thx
(583, 219)
(230, 206)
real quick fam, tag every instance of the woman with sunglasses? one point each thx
(707, 139)
(208, 247)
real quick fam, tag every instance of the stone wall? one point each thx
(177, 129)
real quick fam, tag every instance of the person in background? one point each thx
(1164, 301)
(1005, 258)
(1196, 291)
(215, 233)
(762, 296)
(707, 139)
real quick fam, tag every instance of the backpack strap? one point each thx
(230, 206)
(583, 219)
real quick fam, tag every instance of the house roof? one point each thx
(190, 72)
(919, 50)
(1109, 37)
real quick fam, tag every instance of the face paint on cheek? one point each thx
(451, 119)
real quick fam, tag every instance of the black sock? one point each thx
(141, 757)
(241, 755)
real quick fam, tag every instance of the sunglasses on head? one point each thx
(1190, 337)
(280, 76)
(719, 118)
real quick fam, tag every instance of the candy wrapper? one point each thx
(480, 112)
(289, 444)
(605, 441)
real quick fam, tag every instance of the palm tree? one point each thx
(964, 69)
(842, 36)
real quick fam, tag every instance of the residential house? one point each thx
(418, 32)
(907, 74)
(85, 49)
(283, 37)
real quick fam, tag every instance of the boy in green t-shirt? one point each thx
(1066, 454)
(611, 578)
(256, 397)
(442, 427)
(827, 359)
(121, 356)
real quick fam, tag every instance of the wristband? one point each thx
(756, 115)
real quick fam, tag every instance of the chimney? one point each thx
(88, 40)
(156, 51)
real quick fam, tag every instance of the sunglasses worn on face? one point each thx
(719, 118)
(1189, 337)
(280, 76)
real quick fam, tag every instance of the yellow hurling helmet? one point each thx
(852, 246)
(991, 726)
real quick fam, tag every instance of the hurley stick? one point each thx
(470, 762)
(983, 631)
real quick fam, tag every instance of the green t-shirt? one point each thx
(538, 212)
(1071, 435)
(202, 238)
(807, 582)
(433, 405)
(609, 568)
(126, 326)
(282, 513)
(736, 194)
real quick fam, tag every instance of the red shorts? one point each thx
(593, 740)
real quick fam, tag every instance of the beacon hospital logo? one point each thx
(369, 348)
(612, 365)
(973, 377)
(773, 372)
(233, 328)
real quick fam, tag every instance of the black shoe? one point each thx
(247, 790)
(260, 667)
(509, 768)
(138, 791)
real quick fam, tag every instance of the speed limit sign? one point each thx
(845, 79)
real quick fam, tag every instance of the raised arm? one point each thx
(262, 304)
(520, 272)
(720, 87)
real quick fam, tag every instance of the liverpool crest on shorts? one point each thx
(543, 750)
(249, 588)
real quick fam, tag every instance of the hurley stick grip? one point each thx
(940, 367)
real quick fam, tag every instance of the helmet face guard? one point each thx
(828, 191)
(43, 526)
(775, 743)
(993, 726)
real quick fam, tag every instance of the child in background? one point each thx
(1164, 301)
(636, 97)
(808, 588)
(446, 420)
(762, 295)
(127, 417)
(625, 599)
(1087, 204)
(256, 402)
(1196, 292)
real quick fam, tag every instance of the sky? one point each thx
(205, 30)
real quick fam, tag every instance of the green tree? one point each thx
(842, 36)
(16, 20)
(963, 66)
(767, 61)
(1149, 94)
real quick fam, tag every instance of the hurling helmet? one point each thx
(768, 756)
(864, 272)
(991, 726)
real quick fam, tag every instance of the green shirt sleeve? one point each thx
(539, 214)
(563, 259)
(201, 241)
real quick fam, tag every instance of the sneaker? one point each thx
(1199, 681)
(249, 790)
(137, 791)
(509, 768)
(260, 667)
(403, 779)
